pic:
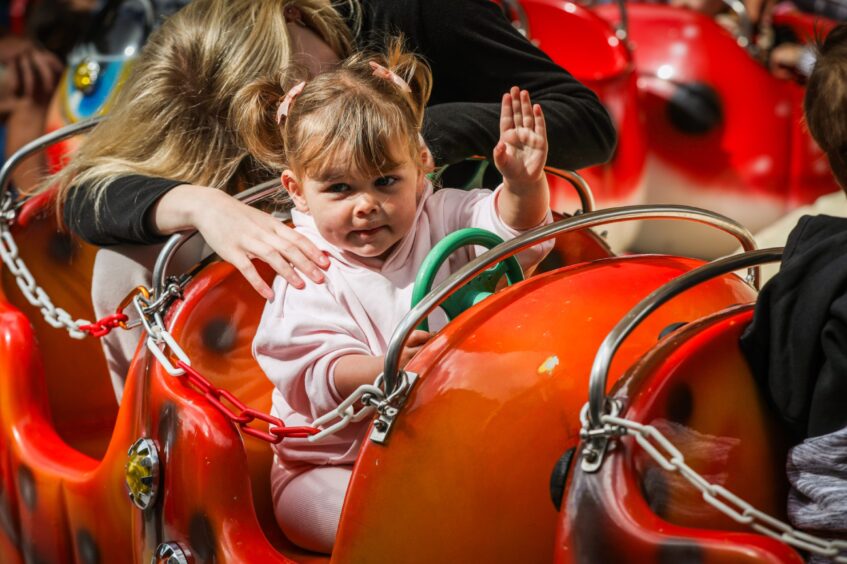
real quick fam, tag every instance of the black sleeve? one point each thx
(123, 211)
(476, 56)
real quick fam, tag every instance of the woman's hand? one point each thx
(239, 233)
(521, 153)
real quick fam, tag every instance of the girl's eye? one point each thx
(338, 188)
(385, 181)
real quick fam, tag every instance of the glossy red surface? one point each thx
(583, 43)
(695, 387)
(754, 151)
(498, 401)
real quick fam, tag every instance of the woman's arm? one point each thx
(142, 210)
(476, 55)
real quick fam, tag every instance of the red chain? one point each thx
(243, 415)
(105, 325)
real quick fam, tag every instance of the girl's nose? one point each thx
(366, 204)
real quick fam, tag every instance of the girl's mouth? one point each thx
(368, 233)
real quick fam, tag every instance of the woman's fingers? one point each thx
(306, 256)
(285, 256)
(281, 265)
(245, 266)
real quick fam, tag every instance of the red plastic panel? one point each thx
(464, 476)
(696, 389)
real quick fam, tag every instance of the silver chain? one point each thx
(370, 396)
(671, 459)
(35, 295)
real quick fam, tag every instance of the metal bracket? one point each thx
(389, 409)
(596, 441)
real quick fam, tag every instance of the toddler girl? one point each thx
(354, 164)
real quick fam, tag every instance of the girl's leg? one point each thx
(309, 506)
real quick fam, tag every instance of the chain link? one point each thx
(56, 317)
(369, 394)
(242, 416)
(671, 459)
(34, 294)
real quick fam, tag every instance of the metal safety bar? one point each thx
(586, 198)
(439, 294)
(38, 144)
(610, 345)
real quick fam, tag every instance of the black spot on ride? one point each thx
(220, 335)
(695, 108)
(26, 487)
(202, 538)
(86, 548)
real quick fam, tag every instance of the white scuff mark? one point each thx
(549, 365)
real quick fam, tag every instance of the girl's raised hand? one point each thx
(521, 153)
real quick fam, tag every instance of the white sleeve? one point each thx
(478, 208)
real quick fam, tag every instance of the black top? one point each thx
(476, 56)
(797, 343)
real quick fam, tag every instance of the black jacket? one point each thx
(797, 342)
(476, 56)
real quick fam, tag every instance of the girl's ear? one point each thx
(426, 156)
(294, 189)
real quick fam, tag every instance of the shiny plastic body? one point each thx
(723, 133)
(696, 388)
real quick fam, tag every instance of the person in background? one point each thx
(796, 344)
(31, 63)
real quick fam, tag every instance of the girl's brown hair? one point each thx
(174, 117)
(825, 102)
(346, 115)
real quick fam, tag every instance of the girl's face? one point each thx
(365, 215)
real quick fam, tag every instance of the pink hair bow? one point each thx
(285, 105)
(383, 72)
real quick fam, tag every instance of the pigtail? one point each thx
(414, 71)
(254, 107)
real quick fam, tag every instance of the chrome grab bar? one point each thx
(391, 371)
(610, 345)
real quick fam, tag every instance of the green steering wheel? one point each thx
(474, 291)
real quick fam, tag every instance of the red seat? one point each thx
(696, 388)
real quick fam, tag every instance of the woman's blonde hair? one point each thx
(174, 117)
(346, 115)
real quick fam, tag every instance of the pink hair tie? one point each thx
(383, 72)
(285, 105)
